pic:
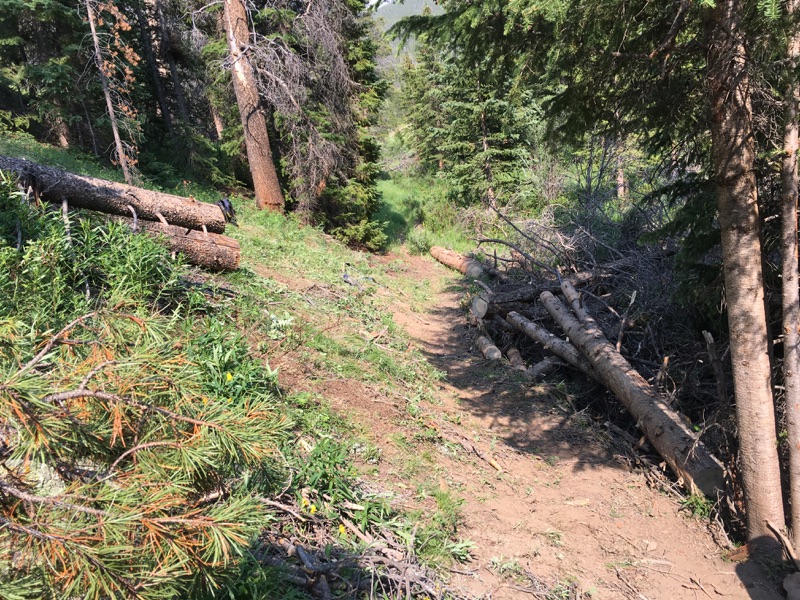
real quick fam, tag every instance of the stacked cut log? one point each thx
(589, 351)
(193, 228)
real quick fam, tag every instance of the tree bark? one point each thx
(685, 454)
(552, 343)
(212, 251)
(733, 155)
(115, 198)
(488, 349)
(149, 54)
(789, 290)
(98, 57)
(166, 48)
(468, 266)
(259, 156)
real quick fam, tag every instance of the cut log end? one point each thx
(488, 349)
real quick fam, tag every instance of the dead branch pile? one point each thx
(611, 301)
(186, 225)
(310, 556)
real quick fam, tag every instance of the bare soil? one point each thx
(548, 502)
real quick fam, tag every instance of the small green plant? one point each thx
(697, 505)
(507, 568)
(556, 538)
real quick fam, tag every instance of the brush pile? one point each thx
(574, 301)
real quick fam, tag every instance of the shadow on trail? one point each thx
(528, 418)
(494, 393)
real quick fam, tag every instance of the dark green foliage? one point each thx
(469, 120)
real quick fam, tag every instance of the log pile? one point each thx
(535, 311)
(193, 228)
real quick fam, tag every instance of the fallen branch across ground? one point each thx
(55, 185)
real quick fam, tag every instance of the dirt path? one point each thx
(564, 512)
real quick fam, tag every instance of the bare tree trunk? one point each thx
(147, 45)
(91, 129)
(733, 153)
(622, 185)
(259, 156)
(790, 291)
(123, 160)
(116, 198)
(686, 455)
(212, 251)
(166, 47)
(468, 266)
(219, 126)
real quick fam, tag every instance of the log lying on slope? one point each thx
(212, 251)
(55, 185)
(679, 446)
(467, 266)
(487, 304)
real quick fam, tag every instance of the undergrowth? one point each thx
(150, 450)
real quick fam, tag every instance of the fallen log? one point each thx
(543, 368)
(489, 303)
(516, 360)
(488, 349)
(489, 310)
(467, 266)
(681, 449)
(212, 251)
(55, 185)
(552, 343)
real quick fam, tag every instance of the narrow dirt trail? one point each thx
(565, 512)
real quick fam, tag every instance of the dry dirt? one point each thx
(564, 511)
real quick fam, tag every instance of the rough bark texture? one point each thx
(790, 290)
(259, 156)
(115, 198)
(212, 251)
(685, 454)
(150, 56)
(552, 343)
(454, 260)
(733, 154)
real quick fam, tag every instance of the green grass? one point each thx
(413, 208)
(234, 327)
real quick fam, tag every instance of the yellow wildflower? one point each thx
(228, 376)
(313, 509)
(342, 530)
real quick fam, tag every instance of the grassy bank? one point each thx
(195, 430)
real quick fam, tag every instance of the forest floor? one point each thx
(564, 512)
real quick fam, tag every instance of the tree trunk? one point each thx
(488, 349)
(166, 48)
(733, 154)
(791, 277)
(685, 454)
(116, 198)
(123, 159)
(150, 56)
(219, 127)
(212, 251)
(259, 156)
(552, 343)
(468, 266)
